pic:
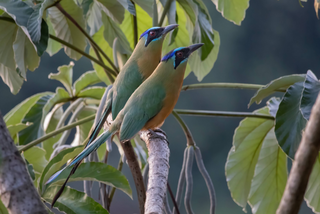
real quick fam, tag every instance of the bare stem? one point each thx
(164, 12)
(222, 114)
(135, 27)
(190, 141)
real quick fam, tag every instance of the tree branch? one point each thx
(302, 166)
(158, 160)
(16, 187)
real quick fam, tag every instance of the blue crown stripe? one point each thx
(171, 54)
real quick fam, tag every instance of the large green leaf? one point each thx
(312, 195)
(15, 129)
(96, 171)
(244, 155)
(128, 5)
(289, 120)
(94, 16)
(86, 79)
(66, 30)
(56, 163)
(64, 76)
(281, 83)
(112, 31)
(310, 93)
(33, 116)
(22, 13)
(53, 46)
(36, 157)
(8, 71)
(146, 5)
(270, 177)
(112, 8)
(16, 115)
(232, 10)
(73, 201)
(24, 54)
(94, 92)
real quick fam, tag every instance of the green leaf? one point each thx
(269, 178)
(289, 120)
(33, 116)
(8, 71)
(17, 114)
(73, 201)
(95, 92)
(310, 93)
(312, 195)
(83, 129)
(112, 31)
(96, 171)
(232, 10)
(66, 30)
(30, 170)
(112, 8)
(14, 129)
(146, 5)
(64, 76)
(36, 157)
(3, 209)
(50, 124)
(21, 13)
(56, 163)
(86, 79)
(127, 4)
(53, 46)
(281, 83)
(273, 105)
(244, 154)
(24, 54)
(94, 17)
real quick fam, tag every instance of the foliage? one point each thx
(256, 166)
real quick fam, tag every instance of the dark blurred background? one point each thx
(276, 38)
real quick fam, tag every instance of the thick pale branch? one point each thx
(16, 187)
(303, 164)
(158, 170)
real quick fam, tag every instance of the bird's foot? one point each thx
(153, 134)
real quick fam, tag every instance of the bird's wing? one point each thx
(142, 107)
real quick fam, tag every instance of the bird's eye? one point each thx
(179, 54)
(152, 33)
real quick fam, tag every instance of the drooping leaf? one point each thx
(289, 120)
(146, 5)
(312, 195)
(244, 154)
(33, 116)
(21, 13)
(172, 17)
(127, 4)
(269, 178)
(83, 130)
(64, 76)
(232, 10)
(53, 46)
(94, 92)
(36, 157)
(56, 163)
(66, 30)
(86, 79)
(281, 83)
(73, 201)
(30, 170)
(50, 124)
(112, 31)
(309, 95)
(24, 54)
(96, 171)
(14, 129)
(112, 8)
(273, 105)
(17, 114)
(94, 17)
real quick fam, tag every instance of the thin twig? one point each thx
(222, 113)
(55, 132)
(164, 12)
(172, 197)
(190, 141)
(225, 85)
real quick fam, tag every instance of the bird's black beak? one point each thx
(194, 47)
(169, 28)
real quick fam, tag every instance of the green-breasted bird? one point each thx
(149, 105)
(142, 62)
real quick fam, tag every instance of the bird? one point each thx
(149, 105)
(142, 62)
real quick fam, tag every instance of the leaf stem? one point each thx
(225, 85)
(164, 12)
(135, 26)
(58, 131)
(113, 190)
(223, 114)
(190, 141)
(92, 42)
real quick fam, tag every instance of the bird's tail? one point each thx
(78, 159)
